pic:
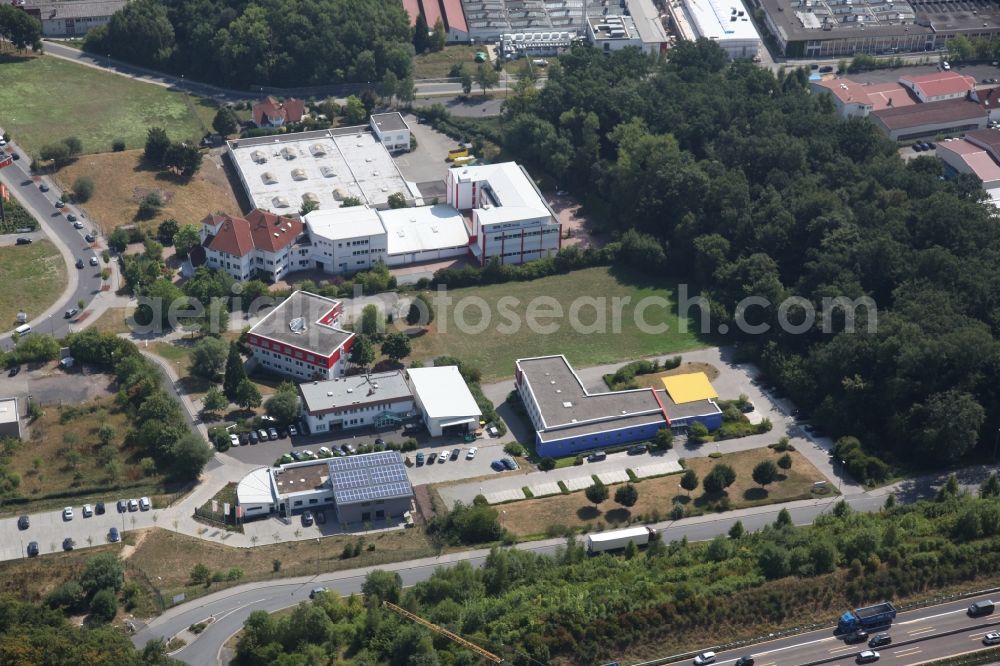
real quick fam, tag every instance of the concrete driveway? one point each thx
(49, 529)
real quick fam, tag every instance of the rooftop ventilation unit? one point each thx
(297, 325)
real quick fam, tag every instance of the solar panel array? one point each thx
(369, 477)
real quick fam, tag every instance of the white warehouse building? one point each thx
(725, 22)
(444, 400)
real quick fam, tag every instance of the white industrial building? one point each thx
(281, 173)
(358, 489)
(507, 216)
(10, 422)
(346, 239)
(613, 33)
(725, 22)
(391, 130)
(378, 399)
(444, 400)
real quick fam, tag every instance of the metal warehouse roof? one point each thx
(369, 477)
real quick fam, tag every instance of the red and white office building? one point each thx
(302, 338)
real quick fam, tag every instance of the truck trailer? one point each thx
(619, 539)
(870, 617)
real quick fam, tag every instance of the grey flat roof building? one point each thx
(389, 122)
(306, 321)
(331, 395)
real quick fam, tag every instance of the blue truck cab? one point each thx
(870, 617)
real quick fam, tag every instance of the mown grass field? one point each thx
(33, 276)
(436, 65)
(495, 347)
(46, 99)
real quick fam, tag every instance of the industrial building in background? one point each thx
(10, 420)
(70, 19)
(568, 419)
(725, 22)
(844, 28)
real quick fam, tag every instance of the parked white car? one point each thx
(145, 504)
(68, 513)
(88, 511)
(472, 453)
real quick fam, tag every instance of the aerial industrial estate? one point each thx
(308, 334)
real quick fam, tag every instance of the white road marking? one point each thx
(931, 617)
(917, 632)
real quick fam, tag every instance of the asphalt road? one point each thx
(42, 205)
(918, 636)
(230, 608)
(431, 87)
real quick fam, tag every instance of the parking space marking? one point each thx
(505, 496)
(579, 483)
(543, 489)
(613, 476)
(657, 469)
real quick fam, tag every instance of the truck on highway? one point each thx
(619, 539)
(870, 617)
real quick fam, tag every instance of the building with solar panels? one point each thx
(362, 488)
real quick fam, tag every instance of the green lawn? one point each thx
(495, 348)
(32, 276)
(46, 99)
(438, 64)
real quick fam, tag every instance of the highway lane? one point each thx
(42, 205)
(920, 635)
(233, 606)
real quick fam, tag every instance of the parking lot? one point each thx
(48, 529)
(266, 453)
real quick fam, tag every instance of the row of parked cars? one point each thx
(921, 146)
(444, 456)
(262, 435)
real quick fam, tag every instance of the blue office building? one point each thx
(568, 419)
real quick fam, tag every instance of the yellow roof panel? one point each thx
(689, 388)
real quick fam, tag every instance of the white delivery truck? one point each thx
(619, 539)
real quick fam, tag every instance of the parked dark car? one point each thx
(68, 544)
(597, 456)
(746, 660)
(321, 517)
(122, 506)
(14, 369)
(455, 453)
(23, 523)
(113, 536)
(297, 455)
(244, 438)
(307, 518)
(420, 459)
(99, 508)
(71, 217)
(272, 433)
(33, 549)
(79, 263)
(431, 458)
(253, 437)
(90, 238)
(498, 465)
(343, 447)
(379, 441)
(638, 449)
(23, 241)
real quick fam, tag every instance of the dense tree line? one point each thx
(754, 187)
(20, 29)
(31, 634)
(574, 609)
(277, 43)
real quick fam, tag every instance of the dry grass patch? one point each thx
(167, 557)
(113, 320)
(32, 579)
(121, 181)
(63, 454)
(438, 64)
(797, 482)
(551, 514)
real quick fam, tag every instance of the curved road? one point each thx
(84, 283)
(231, 607)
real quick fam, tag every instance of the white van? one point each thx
(23, 330)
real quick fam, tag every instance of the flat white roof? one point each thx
(8, 410)
(423, 228)
(343, 223)
(722, 20)
(328, 165)
(443, 393)
(515, 195)
(647, 21)
(256, 488)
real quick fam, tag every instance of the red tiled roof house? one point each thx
(261, 244)
(271, 113)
